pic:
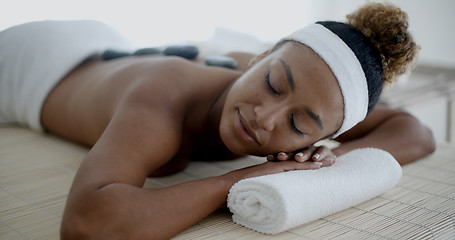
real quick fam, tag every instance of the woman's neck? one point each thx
(216, 110)
(203, 100)
(213, 144)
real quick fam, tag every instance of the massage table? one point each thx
(36, 171)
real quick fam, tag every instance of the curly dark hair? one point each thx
(387, 28)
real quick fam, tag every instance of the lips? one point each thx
(243, 130)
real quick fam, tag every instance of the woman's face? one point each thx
(286, 101)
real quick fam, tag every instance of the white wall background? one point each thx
(149, 22)
(431, 23)
(155, 22)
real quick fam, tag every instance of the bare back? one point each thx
(172, 90)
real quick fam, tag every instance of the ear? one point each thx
(258, 58)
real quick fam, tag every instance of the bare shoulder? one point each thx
(82, 105)
(134, 110)
(139, 139)
(243, 59)
(145, 130)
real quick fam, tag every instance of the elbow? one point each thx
(103, 214)
(420, 135)
(428, 142)
(423, 143)
(80, 227)
(81, 222)
(419, 140)
(71, 228)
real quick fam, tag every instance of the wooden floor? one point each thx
(36, 172)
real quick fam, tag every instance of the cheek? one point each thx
(286, 142)
(226, 132)
(251, 81)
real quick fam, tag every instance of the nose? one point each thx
(267, 116)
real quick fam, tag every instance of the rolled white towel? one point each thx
(275, 203)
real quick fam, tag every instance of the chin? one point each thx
(233, 145)
(238, 148)
(232, 141)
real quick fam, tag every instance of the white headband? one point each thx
(344, 65)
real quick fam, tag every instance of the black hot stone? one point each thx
(147, 51)
(185, 51)
(221, 61)
(113, 54)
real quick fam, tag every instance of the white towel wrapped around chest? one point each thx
(275, 203)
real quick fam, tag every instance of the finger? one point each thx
(328, 161)
(321, 153)
(302, 157)
(307, 153)
(271, 158)
(282, 156)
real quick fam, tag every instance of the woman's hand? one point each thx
(270, 167)
(320, 154)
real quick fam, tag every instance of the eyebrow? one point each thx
(308, 111)
(313, 116)
(289, 77)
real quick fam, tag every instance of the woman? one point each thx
(150, 115)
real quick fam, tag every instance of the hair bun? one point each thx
(387, 27)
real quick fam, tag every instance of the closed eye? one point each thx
(294, 127)
(267, 81)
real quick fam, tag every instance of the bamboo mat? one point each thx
(36, 172)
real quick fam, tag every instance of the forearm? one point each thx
(402, 135)
(126, 211)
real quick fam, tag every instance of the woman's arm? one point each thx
(392, 130)
(107, 200)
